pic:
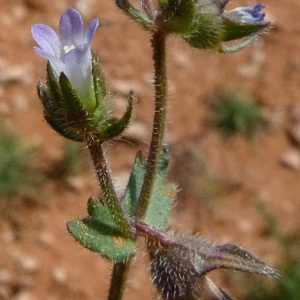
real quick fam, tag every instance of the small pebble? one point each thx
(11, 74)
(60, 274)
(291, 159)
(84, 6)
(45, 239)
(24, 295)
(5, 276)
(27, 263)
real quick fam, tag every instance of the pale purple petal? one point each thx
(246, 14)
(90, 30)
(56, 63)
(78, 62)
(79, 68)
(71, 27)
(43, 53)
(47, 39)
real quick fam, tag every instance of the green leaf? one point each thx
(160, 206)
(177, 15)
(95, 209)
(161, 202)
(134, 186)
(99, 233)
(135, 14)
(162, 198)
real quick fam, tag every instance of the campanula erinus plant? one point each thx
(76, 104)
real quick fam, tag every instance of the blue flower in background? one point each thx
(246, 14)
(70, 53)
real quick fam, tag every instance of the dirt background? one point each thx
(43, 261)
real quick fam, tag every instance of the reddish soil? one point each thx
(269, 71)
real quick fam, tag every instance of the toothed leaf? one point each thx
(100, 233)
(162, 198)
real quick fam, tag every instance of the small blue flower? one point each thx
(246, 14)
(70, 53)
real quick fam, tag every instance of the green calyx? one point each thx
(206, 32)
(247, 32)
(197, 22)
(234, 31)
(176, 16)
(209, 31)
(67, 114)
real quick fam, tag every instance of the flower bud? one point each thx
(180, 263)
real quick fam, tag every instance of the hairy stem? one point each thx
(158, 43)
(106, 184)
(119, 276)
(120, 270)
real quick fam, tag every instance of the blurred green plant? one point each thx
(73, 157)
(233, 114)
(288, 286)
(69, 164)
(19, 179)
(195, 180)
(15, 175)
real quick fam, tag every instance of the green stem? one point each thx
(106, 184)
(158, 43)
(118, 280)
(120, 270)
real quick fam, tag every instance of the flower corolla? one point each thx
(246, 14)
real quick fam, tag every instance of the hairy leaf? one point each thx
(162, 197)
(100, 233)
